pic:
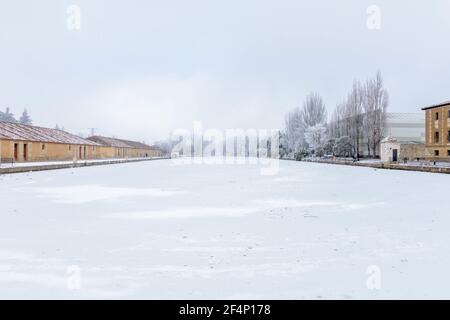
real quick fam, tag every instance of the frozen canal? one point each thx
(156, 230)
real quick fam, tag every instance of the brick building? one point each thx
(437, 131)
(20, 143)
(119, 148)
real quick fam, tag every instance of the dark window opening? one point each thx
(43, 146)
(436, 137)
(25, 152)
(436, 153)
(437, 115)
(16, 151)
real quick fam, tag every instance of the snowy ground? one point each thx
(46, 163)
(156, 230)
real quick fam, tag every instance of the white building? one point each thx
(394, 150)
(405, 126)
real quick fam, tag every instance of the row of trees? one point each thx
(305, 128)
(357, 121)
(362, 116)
(9, 117)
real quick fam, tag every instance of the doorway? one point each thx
(25, 152)
(394, 155)
(16, 151)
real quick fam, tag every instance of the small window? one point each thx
(436, 137)
(70, 148)
(449, 114)
(43, 146)
(448, 153)
(436, 153)
(448, 136)
(437, 115)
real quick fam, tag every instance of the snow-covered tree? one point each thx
(328, 147)
(343, 147)
(25, 118)
(362, 115)
(294, 132)
(375, 106)
(7, 116)
(316, 137)
(313, 111)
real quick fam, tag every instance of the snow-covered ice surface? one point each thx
(47, 163)
(158, 230)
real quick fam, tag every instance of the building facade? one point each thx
(19, 143)
(437, 131)
(394, 150)
(119, 148)
(405, 128)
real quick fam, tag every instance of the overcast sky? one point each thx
(138, 69)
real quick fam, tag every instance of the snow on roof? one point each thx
(405, 118)
(22, 132)
(391, 139)
(118, 143)
(445, 103)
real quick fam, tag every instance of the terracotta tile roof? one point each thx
(22, 132)
(119, 143)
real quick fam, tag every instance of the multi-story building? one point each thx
(437, 129)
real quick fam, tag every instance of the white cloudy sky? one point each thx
(138, 69)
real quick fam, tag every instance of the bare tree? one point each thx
(355, 102)
(339, 122)
(294, 131)
(313, 111)
(298, 120)
(362, 115)
(375, 106)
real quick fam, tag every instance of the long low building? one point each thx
(31, 143)
(20, 143)
(113, 147)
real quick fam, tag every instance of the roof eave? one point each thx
(436, 106)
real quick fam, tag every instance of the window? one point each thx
(70, 148)
(437, 115)
(43, 146)
(436, 137)
(448, 137)
(448, 153)
(436, 153)
(449, 114)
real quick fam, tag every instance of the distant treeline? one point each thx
(8, 116)
(356, 123)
